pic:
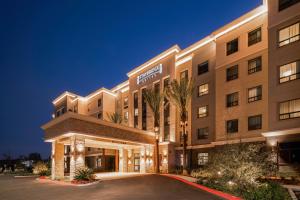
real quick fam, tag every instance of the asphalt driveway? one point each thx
(148, 187)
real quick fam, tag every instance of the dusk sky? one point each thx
(48, 47)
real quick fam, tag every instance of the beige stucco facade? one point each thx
(84, 119)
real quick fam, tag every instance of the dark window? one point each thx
(289, 109)
(254, 65)
(184, 75)
(99, 102)
(254, 94)
(144, 110)
(202, 133)
(135, 110)
(232, 126)
(166, 113)
(203, 68)
(232, 73)
(289, 72)
(283, 4)
(232, 46)
(254, 122)
(254, 37)
(99, 115)
(232, 99)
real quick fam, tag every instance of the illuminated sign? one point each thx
(149, 74)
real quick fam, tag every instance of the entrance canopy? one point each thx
(93, 129)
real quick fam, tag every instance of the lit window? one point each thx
(254, 122)
(289, 72)
(202, 133)
(202, 111)
(202, 159)
(289, 35)
(232, 46)
(125, 103)
(181, 159)
(254, 37)
(254, 94)
(232, 126)
(254, 65)
(289, 109)
(136, 112)
(202, 90)
(232, 99)
(126, 116)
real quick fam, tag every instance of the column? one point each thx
(142, 160)
(77, 160)
(57, 170)
(130, 160)
(123, 159)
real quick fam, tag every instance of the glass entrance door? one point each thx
(136, 162)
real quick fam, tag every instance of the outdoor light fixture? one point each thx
(129, 162)
(80, 147)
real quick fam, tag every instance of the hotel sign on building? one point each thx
(149, 74)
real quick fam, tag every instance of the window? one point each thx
(254, 65)
(99, 115)
(202, 111)
(283, 4)
(203, 90)
(126, 116)
(203, 68)
(202, 159)
(99, 102)
(60, 111)
(289, 35)
(254, 122)
(184, 75)
(166, 113)
(254, 94)
(125, 103)
(232, 126)
(202, 133)
(232, 73)
(254, 37)
(289, 109)
(232, 46)
(144, 110)
(232, 99)
(135, 110)
(289, 72)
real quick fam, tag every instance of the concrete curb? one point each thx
(209, 190)
(32, 176)
(66, 183)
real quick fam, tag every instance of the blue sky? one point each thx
(47, 47)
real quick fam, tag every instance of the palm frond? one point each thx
(115, 117)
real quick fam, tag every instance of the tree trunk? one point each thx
(157, 156)
(184, 169)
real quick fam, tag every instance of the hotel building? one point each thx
(247, 89)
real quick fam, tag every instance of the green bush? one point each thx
(41, 168)
(84, 174)
(267, 191)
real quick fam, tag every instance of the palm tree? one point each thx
(180, 94)
(115, 117)
(154, 99)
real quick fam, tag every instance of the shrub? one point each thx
(84, 174)
(267, 191)
(41, 168)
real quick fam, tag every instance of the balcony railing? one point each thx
(256, 98)
(289, 40)
(289, 115)
(290, 77)
(255, 69)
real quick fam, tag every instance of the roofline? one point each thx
(249, 16)
(120, 86)
(173, 49)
